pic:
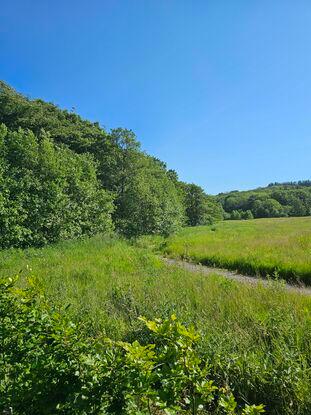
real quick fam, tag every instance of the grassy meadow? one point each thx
(260, 246)
(258, 341)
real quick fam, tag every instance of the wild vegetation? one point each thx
(72, 336)
(275, 200)
(47, 193)
(84, 376)
(62, 177)
(256, 343)
(262, 246)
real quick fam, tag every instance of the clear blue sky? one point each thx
(219, 89)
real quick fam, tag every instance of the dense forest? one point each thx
(62, 177)
(275, 200)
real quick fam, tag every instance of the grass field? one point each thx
(256, 340)
(260, 246)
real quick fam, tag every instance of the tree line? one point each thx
(62, 177)
(275, 200)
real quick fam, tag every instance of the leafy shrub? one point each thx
(240, 214)
(47, 366)
(236, 215)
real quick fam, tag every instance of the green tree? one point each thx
(200, 209)
(149, 202)
(142, 188)
(269, 208)
(48, 193)
(247, 215)
(236, 215)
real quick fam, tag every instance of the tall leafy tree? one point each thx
(48, 193)
(148, 198)
(200, 208)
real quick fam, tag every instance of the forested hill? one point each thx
(62, 177)
(275, 200)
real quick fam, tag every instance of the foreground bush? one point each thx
(47, 367)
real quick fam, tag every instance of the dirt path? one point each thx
(232, 275)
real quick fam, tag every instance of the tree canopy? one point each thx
(275, 200)
(62, 177)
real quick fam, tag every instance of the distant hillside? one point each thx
(275, 200)
(300, 183)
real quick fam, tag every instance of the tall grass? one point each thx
(260, 246)
(257, 340)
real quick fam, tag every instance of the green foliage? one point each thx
(275, 200)
(269, 208)
(200, 208)
(17, 111)
(147, 196)
(236, 215)
(256, 339)
(240, 214)
(247, 215)
(47, 366)
(147, 200)
(48, 193)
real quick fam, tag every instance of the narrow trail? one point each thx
(253, 280)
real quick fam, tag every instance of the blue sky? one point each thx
(220, 90)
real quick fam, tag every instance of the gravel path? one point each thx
(231, 275)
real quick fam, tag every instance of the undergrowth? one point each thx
(257, 342)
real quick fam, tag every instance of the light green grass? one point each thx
(260, 246)
(257, 340)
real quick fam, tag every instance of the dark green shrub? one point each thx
(48, 366)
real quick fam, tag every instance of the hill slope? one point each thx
(275, 200)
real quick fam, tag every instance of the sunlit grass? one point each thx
(258, 340)
(261, 246)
